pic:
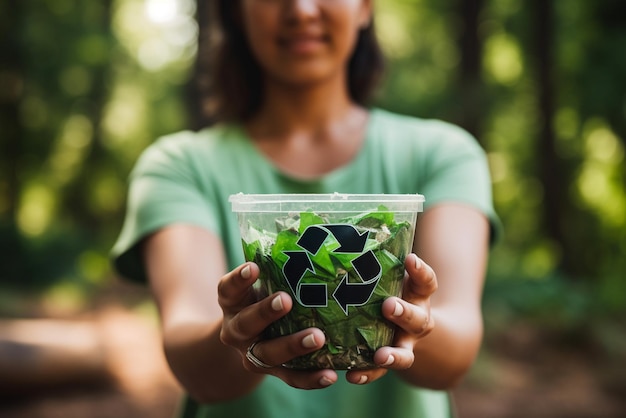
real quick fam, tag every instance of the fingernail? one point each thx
(245, 272)
(362, 380)
(389, 361)
(418, 262)
(324, 381)
(277, 303)
(398, 310)
(309, 341)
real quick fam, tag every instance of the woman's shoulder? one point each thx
(187, 145)
(425, 134)
(396, 123)
(191, 141)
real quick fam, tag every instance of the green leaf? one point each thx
(352, 339)
(307, 219)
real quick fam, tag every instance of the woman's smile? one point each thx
(304, 43)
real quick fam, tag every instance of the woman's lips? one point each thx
(302, 44)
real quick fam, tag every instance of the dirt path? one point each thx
(135, 381)
(531, 380)
(531, 373)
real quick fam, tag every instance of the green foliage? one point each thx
(354, 330)
(85, 86)
(83, 109)
(588, 91)
(553, 302)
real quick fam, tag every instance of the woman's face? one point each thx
(299, 42)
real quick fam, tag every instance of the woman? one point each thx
(289, 89)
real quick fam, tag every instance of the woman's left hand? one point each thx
(413, 318)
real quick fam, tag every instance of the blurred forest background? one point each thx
(86, 86)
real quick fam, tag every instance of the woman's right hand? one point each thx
(244, 320)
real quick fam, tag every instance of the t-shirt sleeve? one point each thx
(162, 191)
(458, 172)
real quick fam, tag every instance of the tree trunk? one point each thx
(470, 115)
(197, 85)
(97, 154)
(12, 80)
(550, 170)
(11, 84)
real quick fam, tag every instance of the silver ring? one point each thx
(254, 359)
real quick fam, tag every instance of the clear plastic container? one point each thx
(339, 256)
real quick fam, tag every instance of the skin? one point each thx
(308, 126)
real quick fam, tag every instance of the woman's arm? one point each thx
(210, 317)
(439, 316)
(439, 336)
(184, 264)
(454, 241)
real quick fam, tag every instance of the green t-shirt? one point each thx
(187, 178)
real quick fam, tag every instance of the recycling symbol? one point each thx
(366, 266)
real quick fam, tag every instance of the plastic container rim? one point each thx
(251, 202)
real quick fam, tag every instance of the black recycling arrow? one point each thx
(307, 294)
(367, 266)
(349, 238)
(369, 270)
(313, 238)
(295, 268)
(313, 295)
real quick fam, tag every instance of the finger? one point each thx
(248, 324)
(422, 280)
(301, 379)
(318, 379)
(235, 288)
(363, 377)
(280, 350)
(415, 319)
(396, 358)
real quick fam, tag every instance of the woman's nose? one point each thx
(302, 9)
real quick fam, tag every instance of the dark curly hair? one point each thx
(231, 84)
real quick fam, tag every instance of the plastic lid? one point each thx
(331, 202)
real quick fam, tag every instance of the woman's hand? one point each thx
(412, 316)
(245, 319)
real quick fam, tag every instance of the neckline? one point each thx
(332, 174)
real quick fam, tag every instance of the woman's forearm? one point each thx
(445, 355)
(454, 240)
(184, 264)
(208, 370)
